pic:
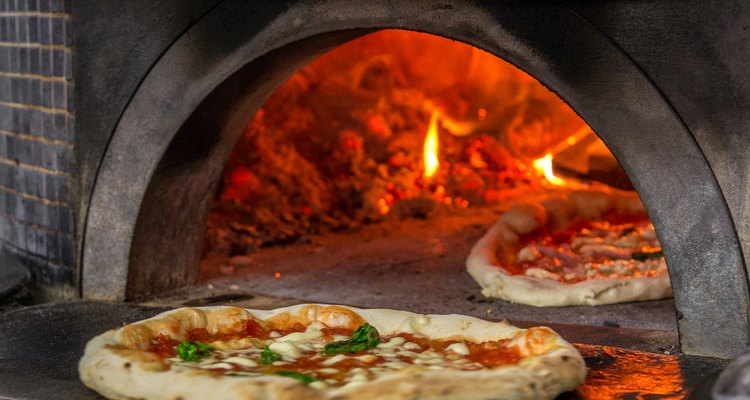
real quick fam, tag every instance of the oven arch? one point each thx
(171, 143)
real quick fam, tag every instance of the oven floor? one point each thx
(412, 264)
(40, 347)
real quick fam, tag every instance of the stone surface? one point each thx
(40, 346)
(415, 265)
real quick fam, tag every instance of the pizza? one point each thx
(582, 247)
(314, 351)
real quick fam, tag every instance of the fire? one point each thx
(431, 162)
(544, 165)
(383, 206)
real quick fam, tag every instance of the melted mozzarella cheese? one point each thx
(301, 337)
(528, 253)
(335, 359)
(609, 252)
(219, 365)
(288, 349)
(392, 354)
(541, 273)
(245, 362)
(459, 348)
(394, 342)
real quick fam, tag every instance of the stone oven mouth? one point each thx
(397, 123)
(328, 195)
(146, 219)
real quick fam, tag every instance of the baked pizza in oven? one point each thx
(327, 352)
(584, 247)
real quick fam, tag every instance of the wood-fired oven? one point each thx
(163, 90)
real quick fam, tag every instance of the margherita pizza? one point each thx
(327, 352)
(581, 248)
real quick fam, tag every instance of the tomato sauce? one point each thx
(252, 328)
(427, 344)
(312, 363)
(552, 237)
(298, 327)
(488, 354)
(561, 240)
(199, 335)
(331, 332)
(163, 345)
(493, 353)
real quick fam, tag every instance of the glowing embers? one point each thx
(619, 373)
(395, 124)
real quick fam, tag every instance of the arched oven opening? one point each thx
(163, 167)
(370, 173)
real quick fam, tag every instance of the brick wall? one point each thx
(36, 140)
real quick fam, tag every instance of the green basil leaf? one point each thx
(365, 337)
(268, 356)
(643, 256)
(304, 378)
(627, 231)
(193, 351)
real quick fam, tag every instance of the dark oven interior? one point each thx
(279, 153)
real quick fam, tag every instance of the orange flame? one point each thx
(544, 166)
(431, 162)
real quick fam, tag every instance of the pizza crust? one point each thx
(117, 365)
(499, 246)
